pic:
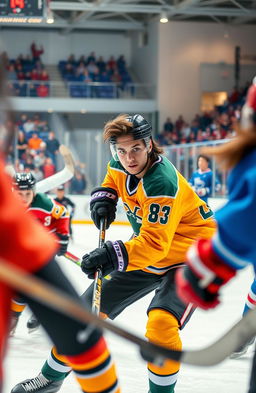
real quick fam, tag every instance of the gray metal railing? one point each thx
(41, 89)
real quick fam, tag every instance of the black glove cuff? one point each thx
(118, 254)
(104, 194)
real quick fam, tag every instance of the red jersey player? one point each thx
(53, 216)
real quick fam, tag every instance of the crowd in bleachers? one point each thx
(217, 124)
(36, 150)
(26, 74)
(112, 76)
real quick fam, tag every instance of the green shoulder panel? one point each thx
(42, 201)
(113, 164)
(161, 179)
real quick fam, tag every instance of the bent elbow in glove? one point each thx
(112, 256)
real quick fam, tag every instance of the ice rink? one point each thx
(27, 352)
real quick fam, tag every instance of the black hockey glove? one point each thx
(63, 243)
(112, 256)
(103, 204)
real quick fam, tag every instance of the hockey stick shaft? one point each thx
(58, 300)
(73, 258)
(97, 286)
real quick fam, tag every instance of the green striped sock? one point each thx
(161, 389)
(52, 374)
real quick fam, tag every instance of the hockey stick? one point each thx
(96, 297)
(58, 300)
(72, 258)
(77, 261)
(60, 177)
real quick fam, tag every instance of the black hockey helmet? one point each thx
(24, 181)
(140, 129)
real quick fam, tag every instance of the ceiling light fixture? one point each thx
(163, 18)
(50, 17)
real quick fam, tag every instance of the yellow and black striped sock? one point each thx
(95, 370)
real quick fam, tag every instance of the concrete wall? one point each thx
(59, 46)
(183, 46)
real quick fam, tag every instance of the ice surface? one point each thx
(27, 352)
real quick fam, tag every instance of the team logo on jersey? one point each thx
(132, 214)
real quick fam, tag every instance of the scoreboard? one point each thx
(22, 11)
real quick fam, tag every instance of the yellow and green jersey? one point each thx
(165, 213)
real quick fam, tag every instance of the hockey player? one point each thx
(27, 245)
(54, 217)
(202, 179)
(166, 215)
(65, 201)
(213, 262)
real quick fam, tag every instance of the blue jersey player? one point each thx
(202, 179)
(212, 263)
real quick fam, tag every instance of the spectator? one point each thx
(32, 90)
(29, 163)
(52, 147)
(37, 173)
(36, 52)
(78, 183)
(39, 159)
(12, 89)
(35, 144)
(11, 74)
(111, 63)
(18, 166)
(121, 63)
(22, 145)
(91, 57)
(43, 75)
(28, 125)
(201, 180)
(116, 77)
(42, 90)
(179, 123)
(101, 64)
(48, 167)
(168, 125)
(22, 88)
(80, 69)
(22, 120)
(34, 75)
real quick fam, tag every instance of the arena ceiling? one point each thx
(128, 15)
(135, 15)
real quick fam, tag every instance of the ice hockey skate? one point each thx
(32, 324)
(38, 384)
(242, 350)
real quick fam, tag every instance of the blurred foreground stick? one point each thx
(54, 298)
